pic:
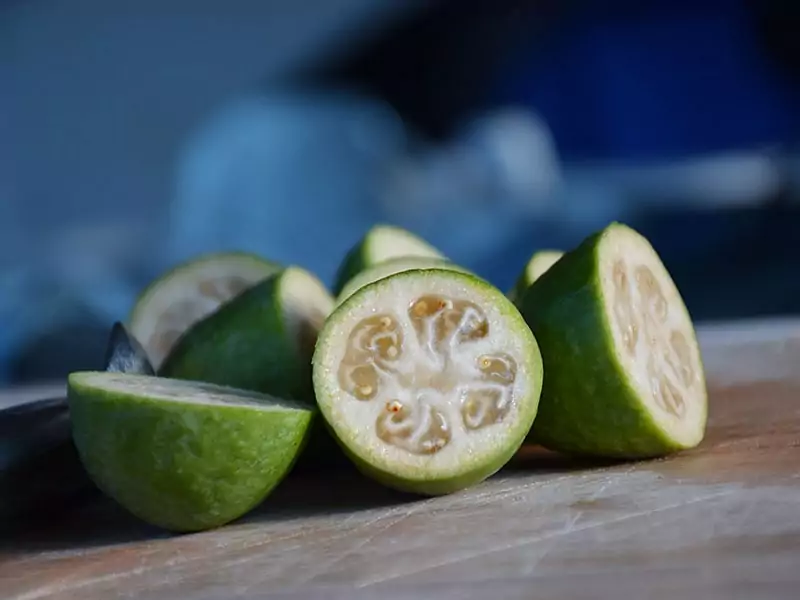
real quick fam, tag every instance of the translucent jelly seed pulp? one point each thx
(421, 430)
(682, 352)
(641, 312)
(416, 371)
(623, 308)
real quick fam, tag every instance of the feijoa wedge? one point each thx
(623, 372)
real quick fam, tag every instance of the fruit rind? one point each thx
(379, 244)
(422, 475)
(589, 404)
(180, 465)
(248, 343)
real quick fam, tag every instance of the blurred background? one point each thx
(135, 134)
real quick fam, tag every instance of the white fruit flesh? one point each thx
(391, 267)
(653, 334)
(384, 243)
(306, 304)
(423, 374)
(173, 390)
(187, 295)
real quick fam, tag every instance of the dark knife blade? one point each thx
(40, 471)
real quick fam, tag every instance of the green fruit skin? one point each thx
(587, 407)
(523, 282)
(178, 466)
(518, 291)
(352, 264)
(420, 484)
(244, 344)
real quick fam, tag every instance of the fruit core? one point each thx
(426, 373)
(642, 315)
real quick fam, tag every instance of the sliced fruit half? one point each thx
(190, 292)
(429, 379)
(390, 267)
(379, 244)
(261, 340)
(538, 263)
(185, 456)
(624, 375)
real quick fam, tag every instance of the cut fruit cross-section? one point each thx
(624, 376)
(190, 292)
(429, 379)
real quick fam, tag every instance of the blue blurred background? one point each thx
(136, 134)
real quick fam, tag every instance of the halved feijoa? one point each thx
(429, 379)
(261, 340)
(190, 292)
(623, 372)
(379, 244)
(184, 456)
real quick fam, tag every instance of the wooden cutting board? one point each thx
(722, 521)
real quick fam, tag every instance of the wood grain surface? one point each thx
(721, 521)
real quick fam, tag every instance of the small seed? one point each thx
(365, 390)
(391, 351)
(386, 322)
(394, 406)
(486, 362)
